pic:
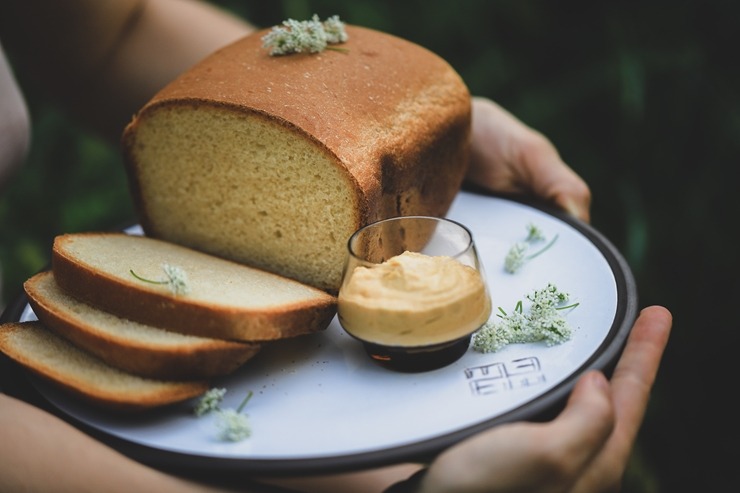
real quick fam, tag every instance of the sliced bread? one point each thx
(137, 348)
(224, 299)
(55, 359)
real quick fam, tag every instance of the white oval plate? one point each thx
(320, 404)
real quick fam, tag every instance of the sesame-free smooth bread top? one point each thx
(55, 359)
(130, 346)
(274, 161)
(226, 300)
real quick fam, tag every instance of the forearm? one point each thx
(367, 481)
(14, 123)
(41, 453)
(167, 38)
(103, 59)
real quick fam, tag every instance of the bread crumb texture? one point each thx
(242, 189)
(212, 280)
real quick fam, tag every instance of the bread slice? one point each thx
(55, 359)
(226, 300)
(130, 346)
(274, 161)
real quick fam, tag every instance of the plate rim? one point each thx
(542, 408)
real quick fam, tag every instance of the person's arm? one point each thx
(14, 123)
(41, 453)
(510, 157)
(102, 60)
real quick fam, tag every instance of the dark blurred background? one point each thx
(641, 98)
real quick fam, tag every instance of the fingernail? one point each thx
(599, 380)
(572, 209)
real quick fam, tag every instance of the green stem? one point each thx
(144, 279)
(518, 306)
(244, 402)
(552, 242)
(573, 305)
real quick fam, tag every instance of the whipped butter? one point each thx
(413, 299)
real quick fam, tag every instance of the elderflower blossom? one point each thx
(311, 36)
(517, 255)
(489, 339)
(547, 297)
(517, 325)
(210, 401)
(335, 32)
(543, 322)
(547, 322)
(233, 425)
(534, 233)
(177, 279)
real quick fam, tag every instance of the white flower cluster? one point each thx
(233, 426)
(210, 401)
(311, 36)
(518, 253)
(177, 279)
(534, 233)
(543, 322)
(516, 257)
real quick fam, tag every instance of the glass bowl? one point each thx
(413, 292)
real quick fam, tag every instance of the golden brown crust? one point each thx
(180, 391)
(182, 360)
(394, 116)
(142, 394)
(132, 300)
(367, 106)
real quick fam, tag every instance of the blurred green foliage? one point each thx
(641, 99)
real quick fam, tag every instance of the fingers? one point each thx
(573, 196)
(508, 156)
(584, 426)
(546, 457)
(631, 383)
(635, 373)
(603, 418)
(645, 346)
(548, 177)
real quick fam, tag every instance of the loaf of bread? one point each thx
(274, 161)
(130, 346)
(224, 299)
(55, 359)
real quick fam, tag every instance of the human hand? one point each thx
(584, 450)
(508, 156)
